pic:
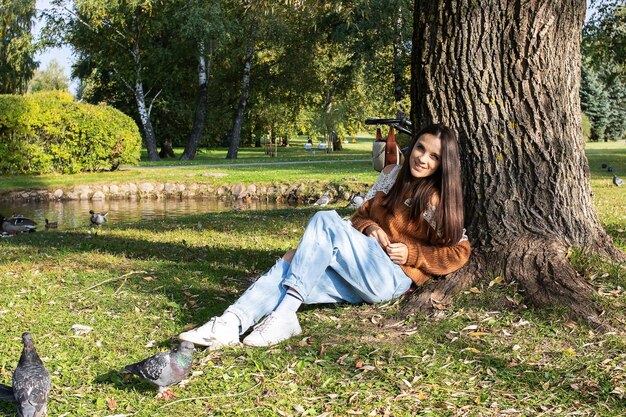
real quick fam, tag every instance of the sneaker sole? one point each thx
(196, 340)
(265, 344)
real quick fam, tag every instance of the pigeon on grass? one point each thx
(323, 200)
(31, 382)
(617, 181)
(165, 368)
(356, 201)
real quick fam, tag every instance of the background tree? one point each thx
(17, 49)
(309, 71)
(51, 78)
(506, 76)
(604, 70)
(118, 40)
(594, 102)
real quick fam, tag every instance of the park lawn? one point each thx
(352, 164)
(138, 284)
(354, 147)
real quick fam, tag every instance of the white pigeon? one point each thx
(356, 201)
(323, 200)
(617, 180)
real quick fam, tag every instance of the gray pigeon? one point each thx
(98, 218)
(356, 201)
(165, 368)
(323, 200)
(31, 382)
(617, 180)
(609, 168)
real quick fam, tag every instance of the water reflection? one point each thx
(74, 213)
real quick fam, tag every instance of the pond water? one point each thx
(74, 213)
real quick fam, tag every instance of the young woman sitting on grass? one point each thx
(410, 227)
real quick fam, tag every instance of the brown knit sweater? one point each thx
(425, 258)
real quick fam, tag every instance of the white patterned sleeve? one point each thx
(429, 216)
(383, 183)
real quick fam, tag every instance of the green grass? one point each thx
(138, 284)
(357, 169)
(358, 147)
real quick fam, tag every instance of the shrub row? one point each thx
(50, 132)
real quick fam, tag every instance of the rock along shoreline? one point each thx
(303, 192)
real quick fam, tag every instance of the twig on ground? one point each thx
(124, 277)
(211, 396)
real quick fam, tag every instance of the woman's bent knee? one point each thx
(288, 256)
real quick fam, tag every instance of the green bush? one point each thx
(49, 132)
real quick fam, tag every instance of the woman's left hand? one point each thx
(398, 253)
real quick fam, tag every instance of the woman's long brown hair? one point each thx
(445, 183)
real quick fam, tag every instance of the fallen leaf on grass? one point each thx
(496, 280)
(80, 329)
(111, 403)
(570, 351)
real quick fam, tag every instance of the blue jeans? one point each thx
(333, 263)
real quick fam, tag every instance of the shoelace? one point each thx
(211, 324)
(266, 323)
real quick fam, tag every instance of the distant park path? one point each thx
(248, 164)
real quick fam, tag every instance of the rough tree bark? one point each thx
(235, 137)
(506, 74)
(204, 69)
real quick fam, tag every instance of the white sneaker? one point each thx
(273, 330)
(216, 334)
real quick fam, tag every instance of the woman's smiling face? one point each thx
(425, 156)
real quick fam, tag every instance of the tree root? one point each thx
(541, 267)
(438, 294)
(538, 264)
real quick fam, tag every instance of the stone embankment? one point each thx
(154, 190)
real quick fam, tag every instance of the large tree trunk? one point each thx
(233, 149)
(146, 125)
(506, 76)
(204, 69)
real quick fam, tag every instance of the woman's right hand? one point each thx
(378, 234)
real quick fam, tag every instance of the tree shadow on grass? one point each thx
(116, 379)
(7, 409)
(208, 276)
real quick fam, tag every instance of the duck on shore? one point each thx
(51, 225)
(17, 224)
(98, 218)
